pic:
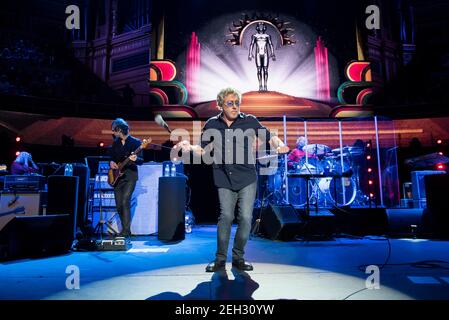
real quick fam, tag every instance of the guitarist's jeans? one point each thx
(123, 192)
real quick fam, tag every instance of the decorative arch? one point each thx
(255, 22)
(238, 28)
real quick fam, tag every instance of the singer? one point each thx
(236, 181)
(123, 147)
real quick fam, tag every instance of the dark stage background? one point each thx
(51, 77)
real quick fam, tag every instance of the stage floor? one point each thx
(301, 270)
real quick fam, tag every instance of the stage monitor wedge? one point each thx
(34, 236)
(280, 222)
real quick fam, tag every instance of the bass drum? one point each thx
(297, 191)
(341, 192)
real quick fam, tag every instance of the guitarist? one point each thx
(123, 147)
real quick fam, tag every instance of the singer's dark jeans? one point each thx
(123, 192)
(228, 199)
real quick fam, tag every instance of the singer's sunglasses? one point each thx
(230, 104)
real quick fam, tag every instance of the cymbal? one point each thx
(338, 156)
(318, 149)
(268, 157)
(427, 160)
(349, 150)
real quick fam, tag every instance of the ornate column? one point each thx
(193, 68)
(322, 71)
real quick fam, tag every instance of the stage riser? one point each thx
(281, 223)
(361, 221)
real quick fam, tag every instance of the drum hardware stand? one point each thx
(264, 202)
(258, 203)
(360, 198)
(255, 228)
(314, 194)
(306, 217)
(275, 196)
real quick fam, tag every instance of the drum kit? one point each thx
(325, 177)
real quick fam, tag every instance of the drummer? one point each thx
(298, 153)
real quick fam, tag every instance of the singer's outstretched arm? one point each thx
(278, 145)
(187, 147)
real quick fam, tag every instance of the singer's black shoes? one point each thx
(215, 266)
(242, 265)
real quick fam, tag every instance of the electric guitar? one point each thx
(115, 174)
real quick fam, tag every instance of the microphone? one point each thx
(160, 121)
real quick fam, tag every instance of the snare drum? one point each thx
(313, 166)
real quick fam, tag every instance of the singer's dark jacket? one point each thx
(228, 173)
(119, 152)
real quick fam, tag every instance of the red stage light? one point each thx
(371, 195)
(101, 144)
(370, 182)
(439, 141)
(18, 139)
(440, 166)
(440, 153)
(368, 145)
(370, 170)
(368, 157)
(17, 153)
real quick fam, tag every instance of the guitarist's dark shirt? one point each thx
(119, 152)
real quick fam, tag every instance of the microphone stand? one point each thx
(159, 145)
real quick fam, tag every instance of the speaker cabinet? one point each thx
(19, 204)
(401, 222)
(82, 172)
(280, 222)
(437, 215)
(144, 202)
(145, 207)
(418, 182)
(30, 236)
(171, 213)
(63, 197)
